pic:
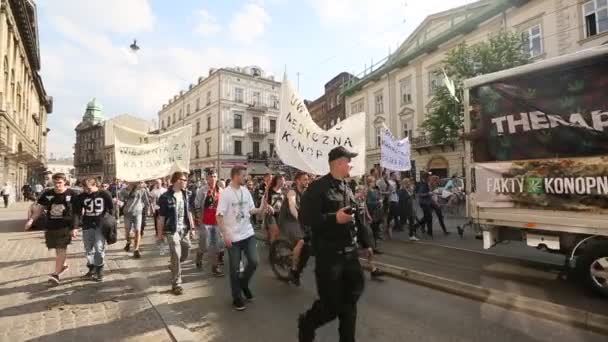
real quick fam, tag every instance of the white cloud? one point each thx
(117, 16)
(207, 24)
(249, 24)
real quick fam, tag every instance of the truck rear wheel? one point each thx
(593, 266)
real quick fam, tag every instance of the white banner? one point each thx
(302, 144)
(141, 156)
(395, 153)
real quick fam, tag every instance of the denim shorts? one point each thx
(133, 221)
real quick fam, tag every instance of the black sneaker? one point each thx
(217, 271)
(90, 273)
(294, 277)
(220, 258)
(98, 276)
(54, 279)
(377, 273)
(136, 254)
(199, 265)
(238, 305)
(248, 294)
(127, 247)
(177, 290)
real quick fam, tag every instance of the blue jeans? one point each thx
(94, 246)
(238, 280)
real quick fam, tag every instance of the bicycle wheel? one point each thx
(281, 258)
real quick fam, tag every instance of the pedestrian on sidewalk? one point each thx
(373, 202)
(327, 208)
(59, 232)
(6, 193)
(210, 236)
(406, 207)
(393, 202)
(134, 198)
(434, 184)
(90, 209)
(175, 223)
(423, 193)
(234, 210)
(155, 194)
(363, 220)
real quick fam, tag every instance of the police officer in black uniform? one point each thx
(328, 210)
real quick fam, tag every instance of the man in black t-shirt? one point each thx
(56, 205)
(90, 208)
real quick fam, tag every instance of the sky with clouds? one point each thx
(85, 47)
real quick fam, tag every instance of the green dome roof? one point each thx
(94, 112)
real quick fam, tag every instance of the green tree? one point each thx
(504, 50)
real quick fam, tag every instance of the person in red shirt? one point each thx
(211, 239)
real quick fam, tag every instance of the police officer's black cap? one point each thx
(340, 152)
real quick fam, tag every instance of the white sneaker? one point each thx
(413, 238)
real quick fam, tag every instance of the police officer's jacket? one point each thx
(319, 204)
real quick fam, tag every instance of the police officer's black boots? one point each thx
(305, 332)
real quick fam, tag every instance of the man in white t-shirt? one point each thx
(234, 210)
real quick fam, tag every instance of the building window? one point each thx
(273, 125)
(271, 148)
(238, 147)
(274, 101)
(208, 142)
(378, 136)
(208, 123)
(173, 117)
(255, 148)
(435, 80)
(198, 104)
(256, 124)
(198, 127)
(256, 98)
(596, 17)
(379, 101)
(196, 152)
(357, 107)
(407, 132)
(405, 85)
(181, 114)
(162, 124)
(188, 109)
(533, 41)
(238, 95)
(208, 98)
(238, 120)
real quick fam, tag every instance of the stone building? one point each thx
(89, 147)
(233, 113)
(24, 104)
(328, 109)
(397, 91)
(94, 148)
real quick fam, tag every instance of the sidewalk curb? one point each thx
(539, 308)
(554, 312)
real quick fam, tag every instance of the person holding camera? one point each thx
(328, 209)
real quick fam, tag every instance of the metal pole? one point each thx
(219, 119)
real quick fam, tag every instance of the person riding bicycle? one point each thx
(289, 220)
(274, 200)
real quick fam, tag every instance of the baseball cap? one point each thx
(340, 152)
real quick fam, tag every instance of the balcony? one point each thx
(257, 157)
(257, 107)
(256, 132)
(424, 143)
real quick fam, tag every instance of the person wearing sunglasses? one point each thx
(175, 223)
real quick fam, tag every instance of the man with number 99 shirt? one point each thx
(90, 208)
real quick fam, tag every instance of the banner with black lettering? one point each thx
(140, 156)
(301, 144)
(395, 153)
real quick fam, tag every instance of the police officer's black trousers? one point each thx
(340, 283)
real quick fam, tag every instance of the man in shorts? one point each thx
(56, 204)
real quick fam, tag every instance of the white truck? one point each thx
(536, 156)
